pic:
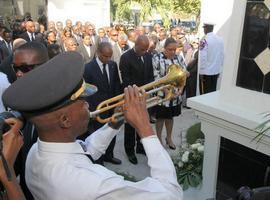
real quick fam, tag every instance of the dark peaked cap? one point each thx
(50, 86)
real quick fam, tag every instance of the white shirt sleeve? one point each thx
(4, 84)
(162, 185)
(98, 141)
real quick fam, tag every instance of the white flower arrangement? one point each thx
(188, 165)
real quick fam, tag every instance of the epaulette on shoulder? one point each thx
(203, 43)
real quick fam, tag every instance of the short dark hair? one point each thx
(103, 45)
(84, 35)
(53, 50)
(37, 47)
(168, 41)
(48, 32)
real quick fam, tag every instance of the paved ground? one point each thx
(141, 170)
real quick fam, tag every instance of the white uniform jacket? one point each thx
(211, 54)
(61, 171)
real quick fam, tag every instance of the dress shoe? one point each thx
(140, 151)
(171, 144)
(132, 158)
(113, 160)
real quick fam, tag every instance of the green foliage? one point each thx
(121, 9)
(193, 133)
(263, 128)
(166, 8)
(127, 176)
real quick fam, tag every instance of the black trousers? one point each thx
(130, 140)
(208, 83)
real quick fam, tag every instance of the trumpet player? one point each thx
(57, 166)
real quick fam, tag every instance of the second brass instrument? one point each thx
(174, 80)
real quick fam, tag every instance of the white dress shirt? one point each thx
(211, 55)
(31, 35)
(4, 84)
(88, 49)
(58, 171)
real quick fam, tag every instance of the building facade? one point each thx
(95, 11)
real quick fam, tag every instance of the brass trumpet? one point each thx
(175, 79)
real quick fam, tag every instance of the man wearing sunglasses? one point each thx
(29, 56)
(57, 166)
(26, 58)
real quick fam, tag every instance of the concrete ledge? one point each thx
(213, 105)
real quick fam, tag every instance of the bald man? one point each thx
(136, 68)
(30, 34)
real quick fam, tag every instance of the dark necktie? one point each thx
(105, 75)
(9, 48)
(141, 62)
(32, 37)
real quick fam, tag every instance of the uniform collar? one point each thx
(210, 33)
(53, 147)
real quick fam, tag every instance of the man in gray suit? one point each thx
(119, 48)
(86, 48)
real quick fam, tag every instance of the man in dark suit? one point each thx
(103, 73)
(6, 45)
(136, 68)
(30, 34)
(86, 48)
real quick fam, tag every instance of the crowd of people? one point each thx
(64, 60)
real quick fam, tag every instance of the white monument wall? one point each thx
(95, 11)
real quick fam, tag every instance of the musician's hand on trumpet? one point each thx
(117, 124)
(135, 111)
(177, 92)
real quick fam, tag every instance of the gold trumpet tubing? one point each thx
(118, 116)
(102, 108)
(150, 102)
(105, 105)
(106, 120)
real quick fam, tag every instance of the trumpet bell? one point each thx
(176, 76)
